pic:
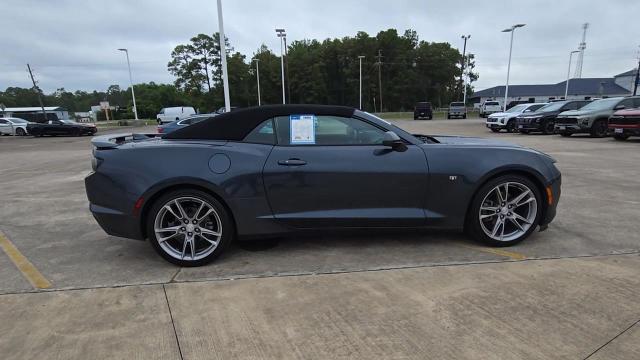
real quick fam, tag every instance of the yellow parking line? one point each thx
(23, 264)
(496, 251)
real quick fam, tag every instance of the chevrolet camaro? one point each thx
(263, 171)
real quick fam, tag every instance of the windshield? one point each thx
(554, 106)
(517, 108)
(601, 104)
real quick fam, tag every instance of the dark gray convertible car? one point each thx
(276, 169)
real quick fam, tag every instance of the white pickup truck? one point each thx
(489, 107)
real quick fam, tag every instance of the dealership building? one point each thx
(579, 89)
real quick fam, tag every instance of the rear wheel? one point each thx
(524, 131)
(430, 117)
(621, 137)
(505, 211)
(599, 128)
(189, 227)
(495, 130)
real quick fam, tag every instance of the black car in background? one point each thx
(422, 110)
(544, 119)
(61, 127)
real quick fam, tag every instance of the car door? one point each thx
(5, 127)
(342, 176)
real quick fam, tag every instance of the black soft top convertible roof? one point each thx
(237, 124)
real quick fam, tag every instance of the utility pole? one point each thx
(286, 68)
(582, 46)
(635, 84)
(37, 90)
(281, 33)
(223, 57)
(360, 57)
(379, 63)
(258, 78)
(464, 50)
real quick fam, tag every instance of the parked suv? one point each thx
(489, 107)
(625, 123)
(544, 119)
(507, 120)
(457, 109)
(422, 110)
(593, 118)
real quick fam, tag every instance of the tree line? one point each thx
(397, 71)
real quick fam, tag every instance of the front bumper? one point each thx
(495, 125)
(621, 129)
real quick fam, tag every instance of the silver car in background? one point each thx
(13, 126)
(507, 120)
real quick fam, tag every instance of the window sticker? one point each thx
(303, 130)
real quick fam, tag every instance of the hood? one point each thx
(628, 112)
(500, 114)
(574, 113)
(464, 140)
(539, 114)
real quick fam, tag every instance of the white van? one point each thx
(170, 114)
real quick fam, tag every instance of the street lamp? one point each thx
(506, 90)
(223, 57)
(257, 77)
(133, 94)
(282, 35)
(360, 57)
(566, 88)
(464, 50)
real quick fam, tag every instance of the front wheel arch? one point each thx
(529, 174)
(148, 203)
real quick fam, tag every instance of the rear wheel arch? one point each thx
(157, 194)
(528, 173)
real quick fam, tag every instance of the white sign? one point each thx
(104, 105)
(303, 130)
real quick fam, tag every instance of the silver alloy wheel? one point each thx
(508, 211)
(188, 228)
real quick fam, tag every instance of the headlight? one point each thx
(584, 120)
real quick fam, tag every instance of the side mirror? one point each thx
(393, 141)
(619, 107)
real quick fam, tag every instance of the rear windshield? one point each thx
(492, 103)
(457, 104)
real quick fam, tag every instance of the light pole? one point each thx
(223, 57)
(133, 94)
(464, 85)
(566, 88)
(281, 35)
(464, 50)
(506, 90)
(258, 77)
(360, 57)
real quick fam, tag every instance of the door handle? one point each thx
(292, 162)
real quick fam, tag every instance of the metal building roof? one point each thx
(583, 86)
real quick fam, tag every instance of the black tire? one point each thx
(20, 132)
(473, 227)
(526, 132)
(415, 118)
(511, 126)
(548, 127)
(599, 128)
(464, 116)
(228, 226)
(448, 116)
(621, 137)
(565, 134)
(430, 117)
(495, 130)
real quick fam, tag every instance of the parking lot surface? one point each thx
(69, 290)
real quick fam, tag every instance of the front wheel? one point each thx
(565, 134)
(505, 211)
(599, 128)
(189, 227)
(548, 128)
(20, 132)
(495, 130)
(511, 126)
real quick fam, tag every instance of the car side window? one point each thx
(627, 103)
(4, 122)
(332, 130)
(262, 134)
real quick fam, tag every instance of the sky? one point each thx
(72, 44)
